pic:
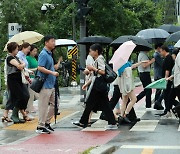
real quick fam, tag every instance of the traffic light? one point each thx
(83, 9)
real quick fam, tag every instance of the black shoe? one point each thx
(126, 120)
(162, 114)
(136, 120)
(103, 117)
(48, 126)
(42, 130)
(58, 113)
(79, 124)
(158, 107)
(120, 120)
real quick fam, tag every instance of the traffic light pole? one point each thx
(82, 57)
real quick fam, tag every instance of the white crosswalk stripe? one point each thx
(145, 125)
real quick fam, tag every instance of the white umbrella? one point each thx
(177, 45)
(27, 36)
(122, 55)
(65, 42)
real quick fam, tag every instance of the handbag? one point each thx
(110, 75)
(24, 74)
(25, 77)
(38, 82)
(100, 83)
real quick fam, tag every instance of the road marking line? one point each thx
(145, 125)
(179, 129)
(95, 116)
(89, 129)
(147, 151)
(68, 150)
(150, 147)
(140, 113)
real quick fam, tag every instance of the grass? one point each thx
(88, 150)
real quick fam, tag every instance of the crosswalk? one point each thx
(145, 125)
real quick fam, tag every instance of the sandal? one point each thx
(26, 118)
(6, 119)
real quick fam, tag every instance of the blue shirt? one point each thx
(45, 60)
(22, 57)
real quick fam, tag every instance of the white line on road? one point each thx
(150, 147)
(68, 150)
(145, 125)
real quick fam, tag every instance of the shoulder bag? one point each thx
(38, 82)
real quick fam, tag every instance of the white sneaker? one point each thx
(111, 127)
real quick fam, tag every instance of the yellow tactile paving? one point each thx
(32, 125)
(147, 151)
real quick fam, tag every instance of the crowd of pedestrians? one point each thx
(24, 58)
(166, 65)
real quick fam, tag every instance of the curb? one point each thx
(104, 149)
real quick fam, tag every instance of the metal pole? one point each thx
(74, 24)
(178, 11)
(82, 57)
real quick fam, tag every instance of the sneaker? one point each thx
(111, 127)
(48, 127)
(78, 124)
(158, 107)
(42, 130)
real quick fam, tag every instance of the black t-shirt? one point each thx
(168, 65)
(12, 71)
(9, 58)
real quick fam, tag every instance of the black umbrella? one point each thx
(142, 45)
(170, 28)
(153, 35)
(95, 39)
(175, 37)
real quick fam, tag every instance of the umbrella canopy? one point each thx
(65, 42)
(177, 45)
(122, 54)
(27, 36)
(95, 39)
(170, 28)
(141, 44)
(153, 35)
(159, 84)
(173, 37)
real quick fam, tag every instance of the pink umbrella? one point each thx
(122, 55)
